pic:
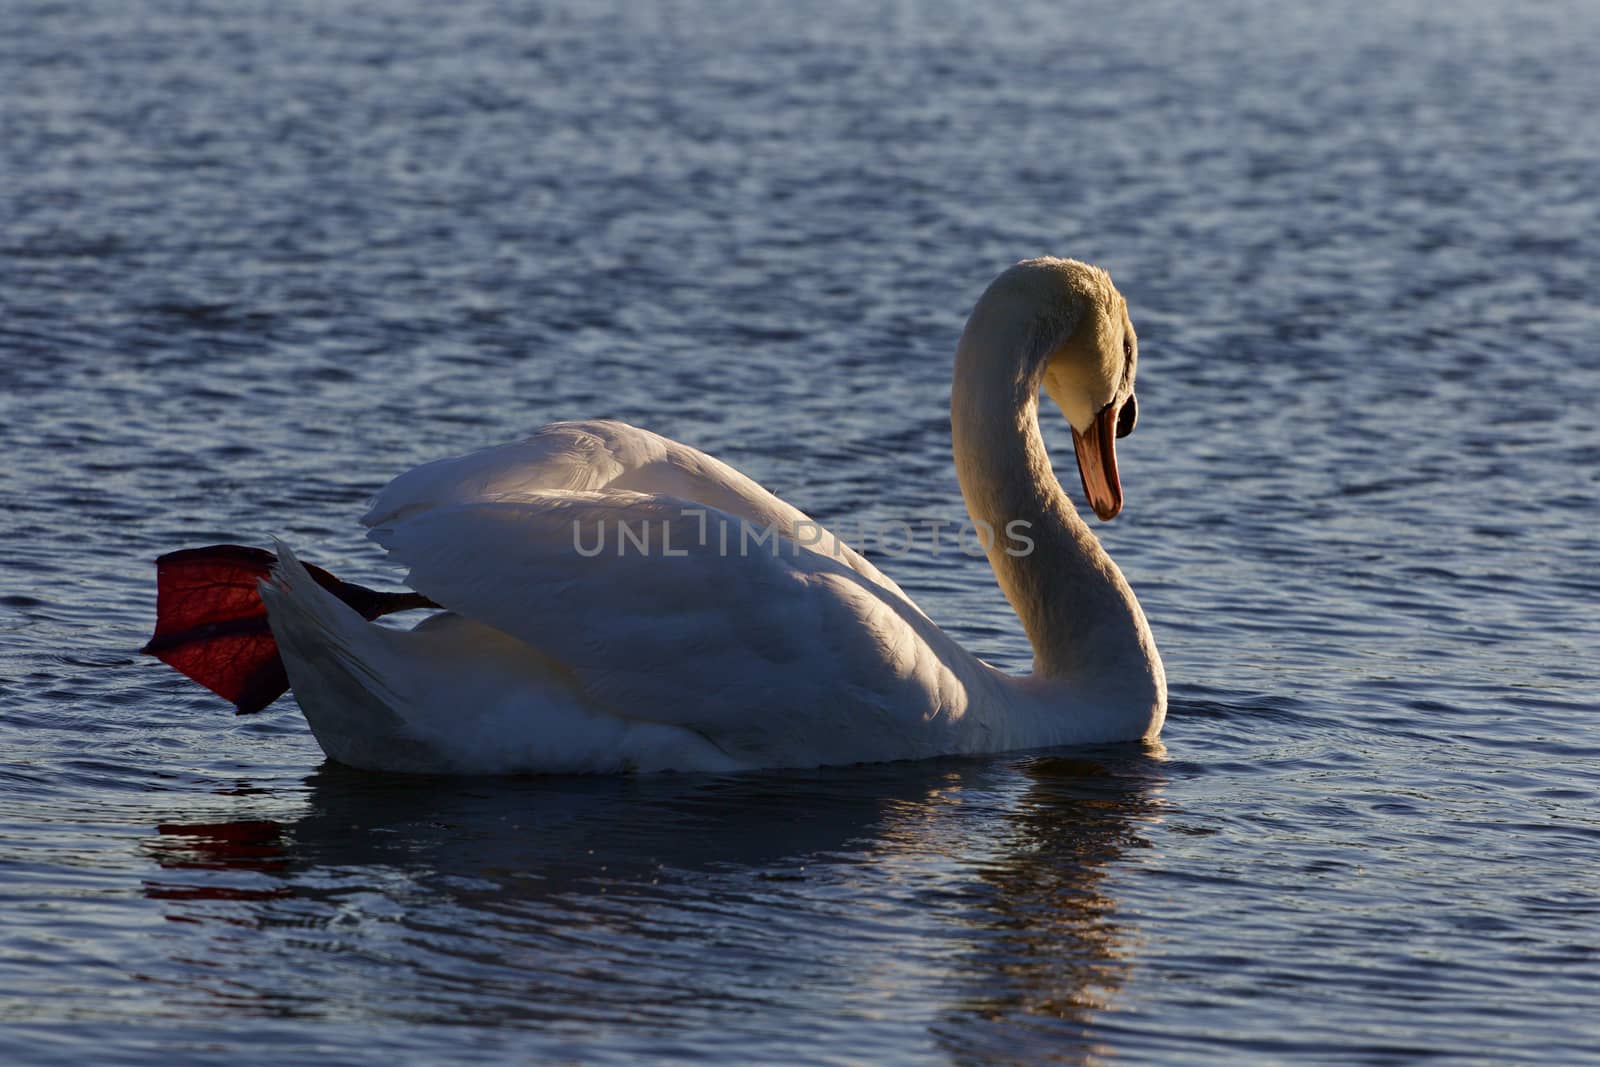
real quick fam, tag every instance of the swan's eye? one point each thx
(1128, 416)
(1127, 348)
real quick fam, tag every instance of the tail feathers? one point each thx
(341, 666)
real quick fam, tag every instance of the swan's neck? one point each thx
(1081, 616)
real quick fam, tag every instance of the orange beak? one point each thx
(1097, 463)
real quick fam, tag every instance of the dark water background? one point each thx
(257, 259)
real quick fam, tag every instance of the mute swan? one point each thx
(694, 652)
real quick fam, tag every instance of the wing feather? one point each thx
(599, 456)
(745, 642)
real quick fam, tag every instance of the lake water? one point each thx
(257, 259)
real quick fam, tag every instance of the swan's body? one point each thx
(707, 649)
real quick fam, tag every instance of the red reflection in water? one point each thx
(248, 845)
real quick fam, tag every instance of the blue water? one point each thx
(257, 259)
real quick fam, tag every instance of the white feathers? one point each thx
(619, 601)
(601, 456)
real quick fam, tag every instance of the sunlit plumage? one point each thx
(563, 647)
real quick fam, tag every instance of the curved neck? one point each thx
(1080, 613)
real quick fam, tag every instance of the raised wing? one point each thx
(667, 610)
(604, 455)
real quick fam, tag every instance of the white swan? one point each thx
(673, 649)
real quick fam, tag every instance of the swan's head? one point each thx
(1080, 346)
(1089, 374)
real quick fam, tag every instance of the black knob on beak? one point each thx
(1128, 416)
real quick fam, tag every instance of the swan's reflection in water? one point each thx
(951, 904)
(1048, 950)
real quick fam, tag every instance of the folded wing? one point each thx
(604, 455)
(687, 618)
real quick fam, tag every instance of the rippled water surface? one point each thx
(257, 259)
